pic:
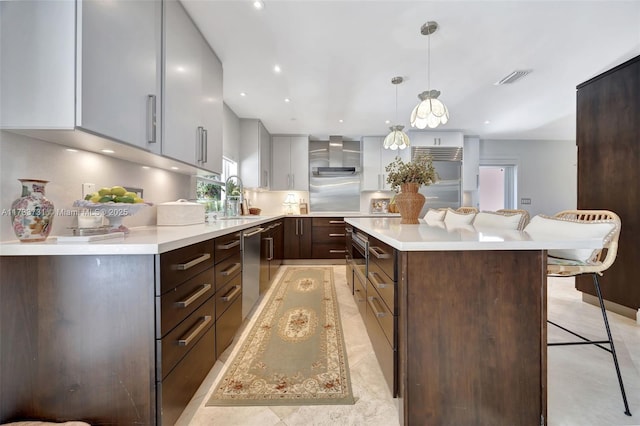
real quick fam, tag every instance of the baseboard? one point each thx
(625, 311)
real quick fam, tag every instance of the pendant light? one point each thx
(430, 112)
(397, 139)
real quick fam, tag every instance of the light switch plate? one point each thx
(525, 200)
(88, 188)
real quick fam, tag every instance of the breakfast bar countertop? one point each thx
(436, 237)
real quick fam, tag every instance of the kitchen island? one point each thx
(469, 322)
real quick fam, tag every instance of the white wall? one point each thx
(547, 171)
(230, 134)
(23, 157)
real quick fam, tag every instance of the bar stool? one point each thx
(558, 267)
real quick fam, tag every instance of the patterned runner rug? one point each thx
(294, 353)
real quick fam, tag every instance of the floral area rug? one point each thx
(294, 354)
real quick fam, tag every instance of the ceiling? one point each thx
(337, 60)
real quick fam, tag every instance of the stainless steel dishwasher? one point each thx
(250, 268)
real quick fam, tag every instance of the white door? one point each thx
(497, 188)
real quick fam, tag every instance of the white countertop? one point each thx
(150, 239)
(140, 240)
(435, 237)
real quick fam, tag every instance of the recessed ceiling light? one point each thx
(243, 94)
(174, 168)
(180, 69)
(341, 120)
(146, 167)
(387, 121)
(487, 122)
(276, 68)
(287, 100)
(71, 150)
(258, 4)
(107, 151)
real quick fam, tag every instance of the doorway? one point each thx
(497, 189)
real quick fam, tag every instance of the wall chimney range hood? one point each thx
(338, 157)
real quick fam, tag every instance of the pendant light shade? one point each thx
(430, 112)
(397, 139)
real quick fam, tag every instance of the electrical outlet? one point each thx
(525, 200)
(88, 188)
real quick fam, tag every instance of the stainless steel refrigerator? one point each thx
(447, 192)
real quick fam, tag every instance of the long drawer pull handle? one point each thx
(194, 296)
(251, 234)
(231, 269)
(337, 235)
(337, 222)
(194, 262)
(275, 225)
(337, 251)
(378, 253)
(228, 246)
(377, 312)
(231, 294)
(374, 277)
(195, 330)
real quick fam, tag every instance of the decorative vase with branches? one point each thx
(408, 178)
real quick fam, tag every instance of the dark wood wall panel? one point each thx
(608, 139)
(473, 337)
(76, 339)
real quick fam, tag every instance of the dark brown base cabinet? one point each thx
(118, 339)
(297, 238)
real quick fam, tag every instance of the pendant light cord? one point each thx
(429, 61)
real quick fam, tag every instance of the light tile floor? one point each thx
(582, 386)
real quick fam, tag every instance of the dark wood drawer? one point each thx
(177, 266)
(226, 246)
(228, 294)
(384, 256)
(184, 337)
(227, 269)
(382, 314)
(360, 294)
(227, 326)
(177, 389)
(328, 221)
(383, 285)
(329, 234)
(328, 250)
(387, 356)
(177, 304)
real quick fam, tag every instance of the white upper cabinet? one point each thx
(193, 93)
(471, 164)
(375, 159)
(290, 163)
(113, 87)
(428, 138)
(120, 69)
(255, 154)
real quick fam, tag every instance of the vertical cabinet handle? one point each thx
(205, 152)
(199, 144)
(151, 118)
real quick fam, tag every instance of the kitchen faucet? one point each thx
(233, 202)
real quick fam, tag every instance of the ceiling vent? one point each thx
(513, 77)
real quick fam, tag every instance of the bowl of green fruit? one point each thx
(114, 204)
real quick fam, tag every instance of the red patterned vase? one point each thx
(32, 214)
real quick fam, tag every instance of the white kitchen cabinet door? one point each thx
(428, 138)
(471, 164)
(375, 159)
(290, 163)
(182, 103)
(212, 111)
(112, 88)
(255, 154)
(120, 60)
